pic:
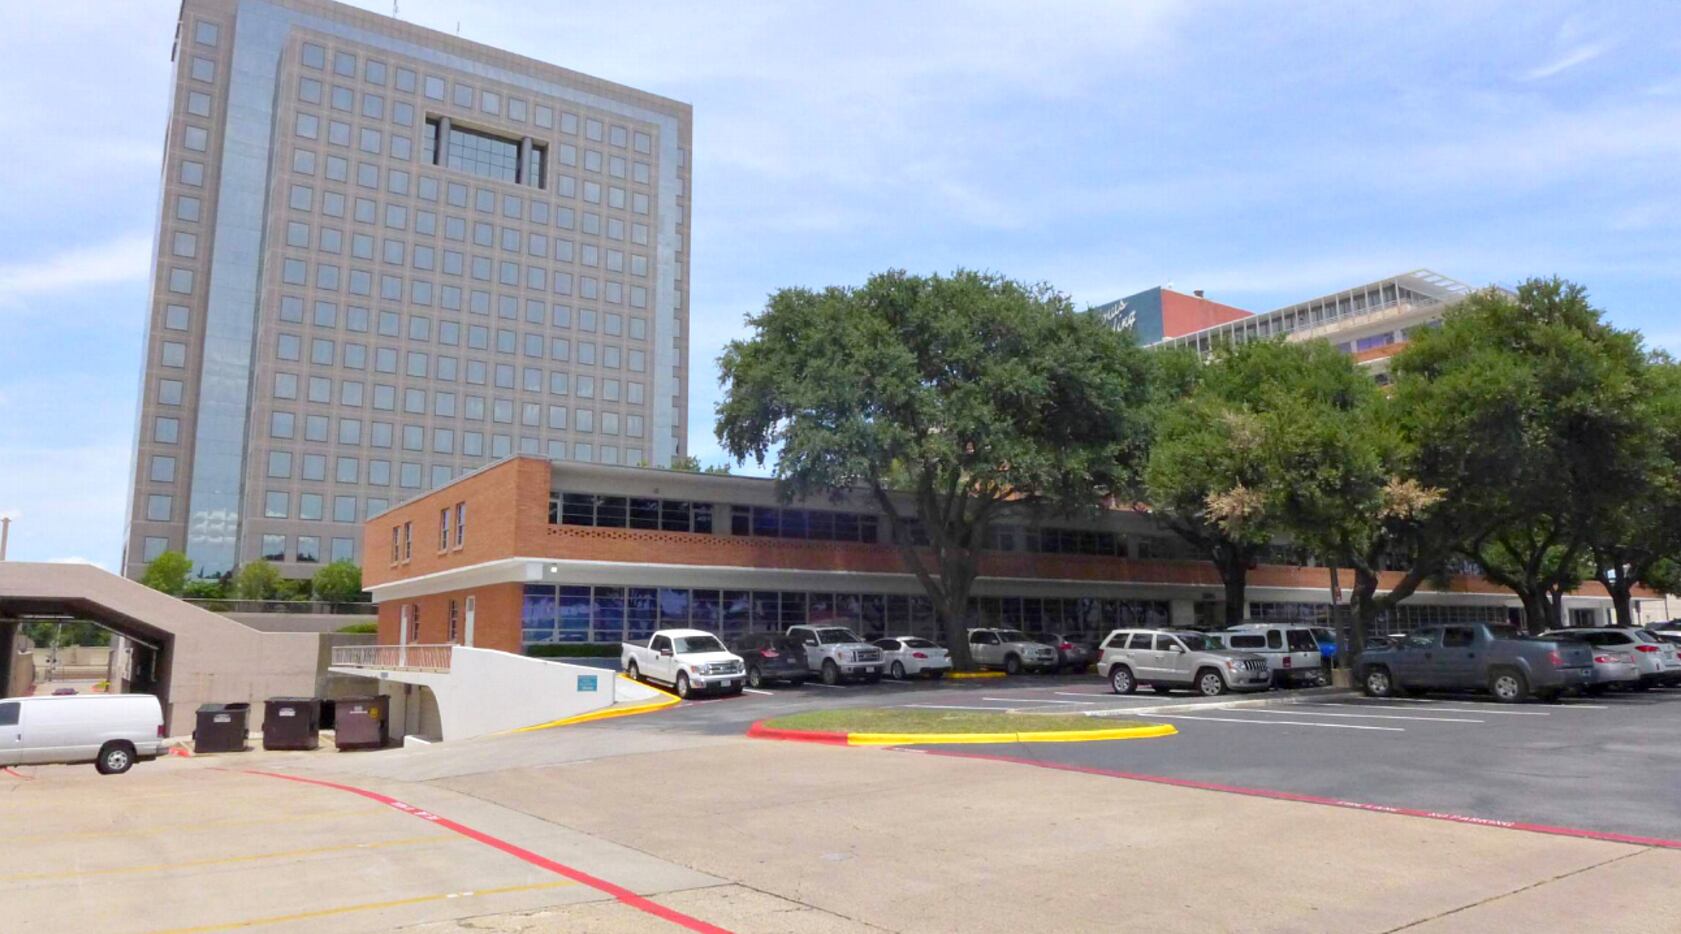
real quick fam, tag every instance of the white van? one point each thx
(112, 731)
(1291, 650)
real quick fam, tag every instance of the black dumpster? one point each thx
(359, 722)
(291, 723)
(222, 728)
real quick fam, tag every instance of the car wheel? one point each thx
(683, 689)
(115, 759)
(1377, 683)
(1210, 683)
(632, 672)
(1122, 681)
(898, 671)
(755, 677)
(1161, 688)
(1012, 664)
(831, 672)
(1508, 686)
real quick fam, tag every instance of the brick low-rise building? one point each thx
(526, 552)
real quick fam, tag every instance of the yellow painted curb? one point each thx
(976, 674)
(609, 713)
(1049, 736)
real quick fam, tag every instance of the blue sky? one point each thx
(1264, 152)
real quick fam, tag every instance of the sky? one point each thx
(1263, 152)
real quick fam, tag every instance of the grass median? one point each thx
(903, 720)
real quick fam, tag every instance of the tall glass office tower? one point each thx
(386, 256)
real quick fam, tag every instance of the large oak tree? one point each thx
(951, 400)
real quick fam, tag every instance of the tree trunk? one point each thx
(953, 612)
(1234, 573)
(1534, 611)
(1623, 601)
(1366, 611)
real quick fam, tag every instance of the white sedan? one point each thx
(905, 656)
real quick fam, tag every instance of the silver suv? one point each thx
(1179, 658)
(1011, 650)
(836, 653)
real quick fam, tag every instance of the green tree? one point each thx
(1526, 408)
(339, 582)
(1637, 539)
(950, 400)
(688, 463)
(1232, 453)
(213, 588)
(168, 573)
(258, 580)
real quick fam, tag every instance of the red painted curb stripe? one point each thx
(759, 731)
(619, 892)
(1316, 799)
(16, 774)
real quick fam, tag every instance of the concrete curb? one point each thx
(759, 731)
(609, 713)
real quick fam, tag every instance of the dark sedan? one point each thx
(771, 657)
(1073, 652)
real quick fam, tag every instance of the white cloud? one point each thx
(124, 259)
(1580, 55)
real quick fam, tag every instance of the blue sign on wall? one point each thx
(587, 683)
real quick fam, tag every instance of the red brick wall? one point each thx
(496, 614)
(507, 509)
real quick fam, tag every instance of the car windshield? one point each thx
(1644, 636)
(699, 644)
(1013, 635)
(917, 644)
(836, 636)
(785, 644)
(1194, 641)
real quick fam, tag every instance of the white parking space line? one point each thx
(1034, 700)
(950, 707)
(1086, 694)
(1477, 710)
(1371, 716)
(1334, 726)
(757, 691)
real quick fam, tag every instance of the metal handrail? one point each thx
(393, 657)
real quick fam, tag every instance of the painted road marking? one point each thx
(1370, 716)
(623, 895)
(1334, 726)
(429, 839)
(1476, 710)
(1092, 694)
(1035, 700)
(757, 691)
(367, 906)
(949, 707)
(1315, 799)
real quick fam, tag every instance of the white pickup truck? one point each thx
(690, 660)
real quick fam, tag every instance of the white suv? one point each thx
(1291, 650)
(1011, 650)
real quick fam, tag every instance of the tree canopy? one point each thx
(339, 582)
(969, 395)
(168, 573)
(258, 580)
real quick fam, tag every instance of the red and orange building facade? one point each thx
(528, 552)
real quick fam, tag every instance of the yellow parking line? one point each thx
(155, 829)
(366, 906)
(226, 860)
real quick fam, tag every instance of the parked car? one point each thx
(771, 657)
(1073, 653)
(911, 656)
(1612, 668)
(1476, 656)
(690, 660)
(113, 731)
(1010, 649)
(1291, 650)
(1656, 658)
(1178, 658)
(836, 653)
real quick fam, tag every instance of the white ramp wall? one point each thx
(486, 691)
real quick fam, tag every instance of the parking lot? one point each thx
(1600, 764)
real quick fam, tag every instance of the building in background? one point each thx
(386, 256)
(1371, 321)
(528, 552)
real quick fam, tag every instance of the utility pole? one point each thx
(5, 533)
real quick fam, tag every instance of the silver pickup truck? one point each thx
(835, 653)
(1475, 657)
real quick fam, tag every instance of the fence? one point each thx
(393, 657)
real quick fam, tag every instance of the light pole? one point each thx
(5, 533)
